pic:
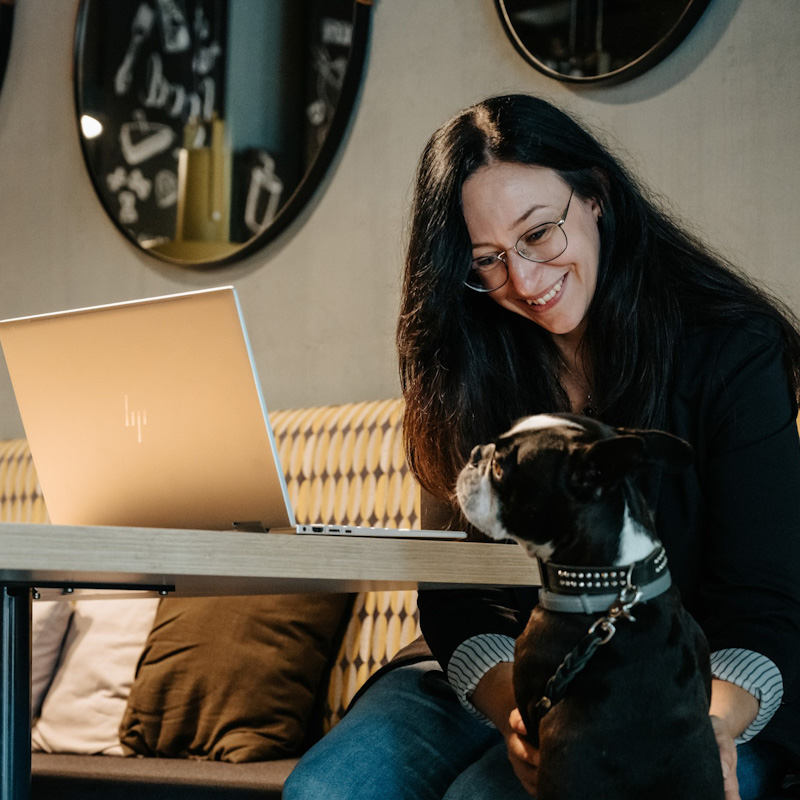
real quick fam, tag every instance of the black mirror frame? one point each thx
(659, 51)
(6, 29)
(310, 182)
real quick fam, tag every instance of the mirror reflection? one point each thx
(592, 40)
(202, 120)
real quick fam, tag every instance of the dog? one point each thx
(611, 675)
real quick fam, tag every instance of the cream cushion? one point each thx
(49, 622)
(83, 708)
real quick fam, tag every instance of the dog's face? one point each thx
(555, 483)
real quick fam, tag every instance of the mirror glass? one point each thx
(207, 124)
(588, 41)
(6, 25)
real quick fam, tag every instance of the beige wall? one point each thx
(713, 128)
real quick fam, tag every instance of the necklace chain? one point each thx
(589, 409)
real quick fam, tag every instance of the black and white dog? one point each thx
(611, 675)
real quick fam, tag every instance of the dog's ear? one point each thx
(663, 449)
(605, 463)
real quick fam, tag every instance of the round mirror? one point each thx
(589, 41)
(208, 124)
(6, 24)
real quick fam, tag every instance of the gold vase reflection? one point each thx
(202, 227)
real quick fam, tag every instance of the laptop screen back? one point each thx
(147, 414)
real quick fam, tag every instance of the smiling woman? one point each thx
(207, 125)
(550, 282)
(543, 242)
(639, 320)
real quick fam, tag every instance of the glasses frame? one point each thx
(502, 256)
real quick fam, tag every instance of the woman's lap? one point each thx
(760, 769)
(408, 738)
(400, 741)
(489, 778)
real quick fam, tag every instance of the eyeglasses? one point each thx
(541, 243)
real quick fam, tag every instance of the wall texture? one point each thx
(713, 128)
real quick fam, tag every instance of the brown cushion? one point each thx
(231, 678)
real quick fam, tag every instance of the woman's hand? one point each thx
(494, 696)
(524, 757)
(732, 710)
(727, 754)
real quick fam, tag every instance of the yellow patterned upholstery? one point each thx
(20, 494)
(344, 464)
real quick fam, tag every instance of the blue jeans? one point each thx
(410, 739)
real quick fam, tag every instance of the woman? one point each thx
(539, 278)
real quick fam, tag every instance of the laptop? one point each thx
(150, 413)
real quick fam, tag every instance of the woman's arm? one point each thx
(749, 594)
(734, 399)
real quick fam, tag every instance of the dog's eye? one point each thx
(497, 470)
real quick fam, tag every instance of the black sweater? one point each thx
(730, 523)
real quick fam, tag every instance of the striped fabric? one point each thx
(755, 673)
(472, 660)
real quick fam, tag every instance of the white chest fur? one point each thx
(636, 543)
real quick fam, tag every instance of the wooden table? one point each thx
(205, 563)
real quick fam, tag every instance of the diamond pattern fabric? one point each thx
(345, 464)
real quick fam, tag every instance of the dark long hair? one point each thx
(468, 367)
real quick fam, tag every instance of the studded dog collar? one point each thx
(587, 590)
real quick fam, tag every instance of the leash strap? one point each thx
(600, 633)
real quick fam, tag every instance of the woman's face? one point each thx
(501, 201)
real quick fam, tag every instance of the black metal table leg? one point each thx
(15, 693)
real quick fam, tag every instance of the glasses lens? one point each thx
(487, 274)
(543, 243)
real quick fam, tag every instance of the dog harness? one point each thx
(585, 590)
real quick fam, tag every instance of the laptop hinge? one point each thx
(251, 526)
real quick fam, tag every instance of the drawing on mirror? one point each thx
(140, 140)
(128, 214)
(264, 185)
(166, 186)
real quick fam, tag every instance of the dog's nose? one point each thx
(479, 453)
